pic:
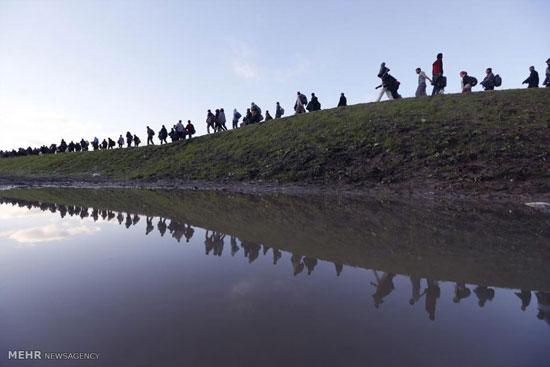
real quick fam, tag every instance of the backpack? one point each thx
(303, 99)
(442, 81)
(473, 81)
(237, 116)
(397, 84)
(498, 81)
(282, 111)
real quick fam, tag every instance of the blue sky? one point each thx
(76, 69)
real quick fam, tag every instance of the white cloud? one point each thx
(47, 233)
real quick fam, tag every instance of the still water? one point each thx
(179, 278)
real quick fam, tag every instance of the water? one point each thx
(171, 278)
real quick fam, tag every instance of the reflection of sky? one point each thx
(151, 296)
(48, 232)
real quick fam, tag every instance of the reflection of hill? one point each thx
(505, 246)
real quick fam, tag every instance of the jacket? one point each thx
(533, 80)
(343, 102)
(437, 67)
(488, 81)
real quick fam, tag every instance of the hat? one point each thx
(463, 72)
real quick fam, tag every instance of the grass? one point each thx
(478, 137)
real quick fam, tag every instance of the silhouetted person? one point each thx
(297, 264)
(314, 104)
(343, 102)
(279, 111)
(129, 139)
(301, 103)
(421, 89)
(111, 143)
(339, 268)
(120, 141)
(236, 118)
(163, 134)
(150, 134)
(251, 250)
(268, 116)
(310, 263)
(104, 144)
(533, 80)
(416, 295)
(149, 227)
(208, 242)
(437, 75)
(389, 84)
(128, 222)
(461, 292)
(218, 243)
(384, 286)
(432, 294)
(137, 141)
(120, 218)
(525, 297)
(135, 220)
(484, 294)
(190, 129)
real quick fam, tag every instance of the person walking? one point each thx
(546, 82)
(421, 89)
(314, 104)
(120, 141)
(488, 82)
(301, 102)
(389, 84)
(533, 80)
(190, 129)
(180, 131)
(467, 82)
(150, 134)
(222, 120)
(256, 112)
(236, 118)
(279, 111)
(268, 116)
(137, 140)
(210, 121)
(163, 134)
(437, 75)
(129, 138)
(343, 102)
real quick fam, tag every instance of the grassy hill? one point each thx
(493, 139)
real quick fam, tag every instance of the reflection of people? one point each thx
(276, 255)
(149, 226)
(432, 294)
(251, 250)
(384, 286)
(339, 268)
(234, 247)
(128, 222)
(135, 220)
(484, 294)
(120, 217)
(461, 292)
(218, 243)
(188, 232)
(265, 249)
(161, 226)
(208, 242)
(543, 299)
(525, 297)
(297, 264)
(416, 295)
(310, 263)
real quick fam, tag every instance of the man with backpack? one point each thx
(163, 134)
(314, 104)
(438, 80)
(190, 129)
(236, 117)
(421, 89)
(389, 85)
(150, 134)
(279, 111)
(467, 82)
(301, 103)
(488, 82)
(533, 80)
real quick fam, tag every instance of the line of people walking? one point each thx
(216, 122)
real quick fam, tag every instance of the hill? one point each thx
(492, 141)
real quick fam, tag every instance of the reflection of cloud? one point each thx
(47, 233)
(242, 287)
(11, 212)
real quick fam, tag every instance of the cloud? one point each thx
(47, 233)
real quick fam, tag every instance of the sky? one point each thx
(77, 69)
